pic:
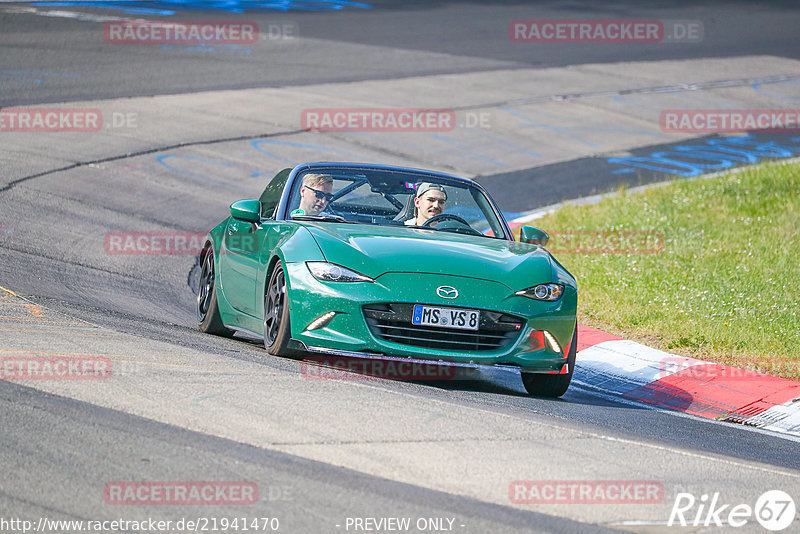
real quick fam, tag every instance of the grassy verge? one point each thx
(725, 287)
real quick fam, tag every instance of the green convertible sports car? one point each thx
(389, 264)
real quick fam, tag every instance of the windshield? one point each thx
(393, 198)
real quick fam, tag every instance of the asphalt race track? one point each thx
(188, 129)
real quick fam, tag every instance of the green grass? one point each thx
(726, 285)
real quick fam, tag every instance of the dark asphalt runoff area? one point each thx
(75, 63)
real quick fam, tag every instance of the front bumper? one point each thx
(310, 299)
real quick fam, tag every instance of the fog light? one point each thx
(551, 341)
(321, 321)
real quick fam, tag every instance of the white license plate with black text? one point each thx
(446, 317)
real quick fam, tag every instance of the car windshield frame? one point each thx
(396, 186)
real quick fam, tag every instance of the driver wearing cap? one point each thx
(429, 202)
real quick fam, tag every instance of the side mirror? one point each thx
(246, 210)
(534, 236)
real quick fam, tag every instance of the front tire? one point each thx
(277, 326)
(542, 385)
(208, 317)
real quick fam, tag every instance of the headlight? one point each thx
(549, 292)
(330, 272)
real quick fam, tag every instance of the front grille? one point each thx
(392, 322)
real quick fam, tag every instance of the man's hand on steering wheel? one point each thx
(444, 217)
(450, 217)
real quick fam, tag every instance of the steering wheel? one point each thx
(450, 217)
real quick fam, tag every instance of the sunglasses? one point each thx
(321, 194)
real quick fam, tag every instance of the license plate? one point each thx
(446, 317)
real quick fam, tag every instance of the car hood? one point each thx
(376, 250)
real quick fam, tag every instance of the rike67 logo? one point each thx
(774, 510)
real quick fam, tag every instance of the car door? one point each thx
(239, 262)
(243, 245)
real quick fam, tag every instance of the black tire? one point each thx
(208, 317)
(277, 326)
(542, 385)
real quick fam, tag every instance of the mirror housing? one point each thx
(246, 210)
(533, 236)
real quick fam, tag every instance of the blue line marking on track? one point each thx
(217, 48)
(40, 73)
(502, 142)
(258, 142)
(33, 76)
(472, 153)
(557, 129)
(129, 8)
(169, 7)
(757, 89)
(687, 160)
(389, 138)
(161, 160)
